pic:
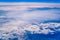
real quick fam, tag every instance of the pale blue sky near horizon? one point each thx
(48, 1)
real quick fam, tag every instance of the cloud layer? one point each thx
(3, 6)
(16, 19)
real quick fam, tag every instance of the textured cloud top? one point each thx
(18, 19)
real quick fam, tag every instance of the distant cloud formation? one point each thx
(27, 5)
(18, 18)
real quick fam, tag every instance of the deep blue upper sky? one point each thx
(53, 1)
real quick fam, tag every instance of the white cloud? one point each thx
(18, 6)
(19, 28)
(36, 15)
(22, 20)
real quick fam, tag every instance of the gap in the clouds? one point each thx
(52, 21)
(3, 19)
(3, 13)
(45, 8)
(13, 38)
(55, 36)
(35, 22)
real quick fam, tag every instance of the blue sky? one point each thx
(53, 1)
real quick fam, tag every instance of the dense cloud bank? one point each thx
(16, 21)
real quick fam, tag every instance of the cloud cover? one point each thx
(18, 19)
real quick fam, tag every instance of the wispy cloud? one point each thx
(14, 6)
